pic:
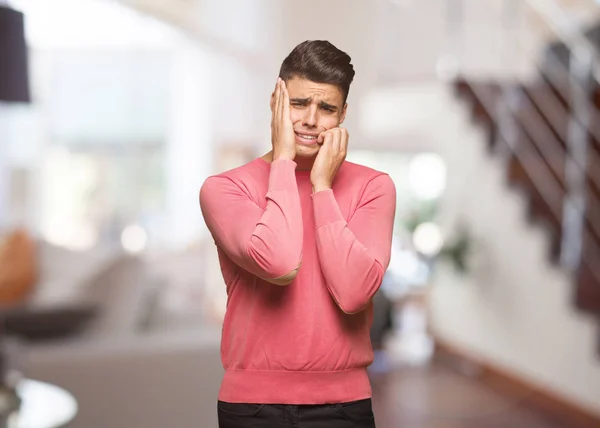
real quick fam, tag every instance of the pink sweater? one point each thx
(307, 342)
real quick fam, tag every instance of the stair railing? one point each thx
(572, 83)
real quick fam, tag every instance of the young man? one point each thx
(303, 238)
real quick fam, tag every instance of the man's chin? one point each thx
(307, 151)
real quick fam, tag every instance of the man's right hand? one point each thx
(282, 129)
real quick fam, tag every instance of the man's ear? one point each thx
(343, 115)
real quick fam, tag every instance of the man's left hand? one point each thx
(334, 144)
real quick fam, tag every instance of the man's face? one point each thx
(314, 108)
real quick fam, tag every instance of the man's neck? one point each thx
(303, 164)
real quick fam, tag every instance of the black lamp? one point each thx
(14, 88)
(14, 76)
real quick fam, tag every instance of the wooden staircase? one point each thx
(528, 125)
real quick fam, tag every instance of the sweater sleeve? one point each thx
(265, 242)
(355, 255)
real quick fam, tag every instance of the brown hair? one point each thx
(321, 62)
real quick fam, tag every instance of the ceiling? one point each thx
(391, 41)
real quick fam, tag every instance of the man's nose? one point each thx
(310, 118)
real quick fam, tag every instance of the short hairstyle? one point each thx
(321, 62)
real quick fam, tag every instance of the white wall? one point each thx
(190, 143)
(515, 310)
(243, 37)
(215, 102)
(19, 144)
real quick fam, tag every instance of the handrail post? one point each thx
(449, 64)
(574, 206)
(510, 46)
(507, 128)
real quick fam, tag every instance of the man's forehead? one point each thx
(303, 88)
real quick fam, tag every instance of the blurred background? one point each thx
(484, 113)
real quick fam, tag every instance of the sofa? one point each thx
(141, 361)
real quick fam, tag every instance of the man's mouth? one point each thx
(306, 138)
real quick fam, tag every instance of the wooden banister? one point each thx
(536, 163)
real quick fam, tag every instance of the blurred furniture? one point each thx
(383, 319)
(14, 87)
(44, 323)
(151, 380)
(40, 299)
(135, 364)
(18, 269)
(43, 406)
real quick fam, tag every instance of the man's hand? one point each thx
(282, 130)
(334, 144)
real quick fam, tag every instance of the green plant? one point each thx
(423, 212)
(457, 251)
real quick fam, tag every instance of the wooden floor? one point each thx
(437, 396)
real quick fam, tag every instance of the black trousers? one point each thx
(354, 414)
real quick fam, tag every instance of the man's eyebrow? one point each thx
(323, 104)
